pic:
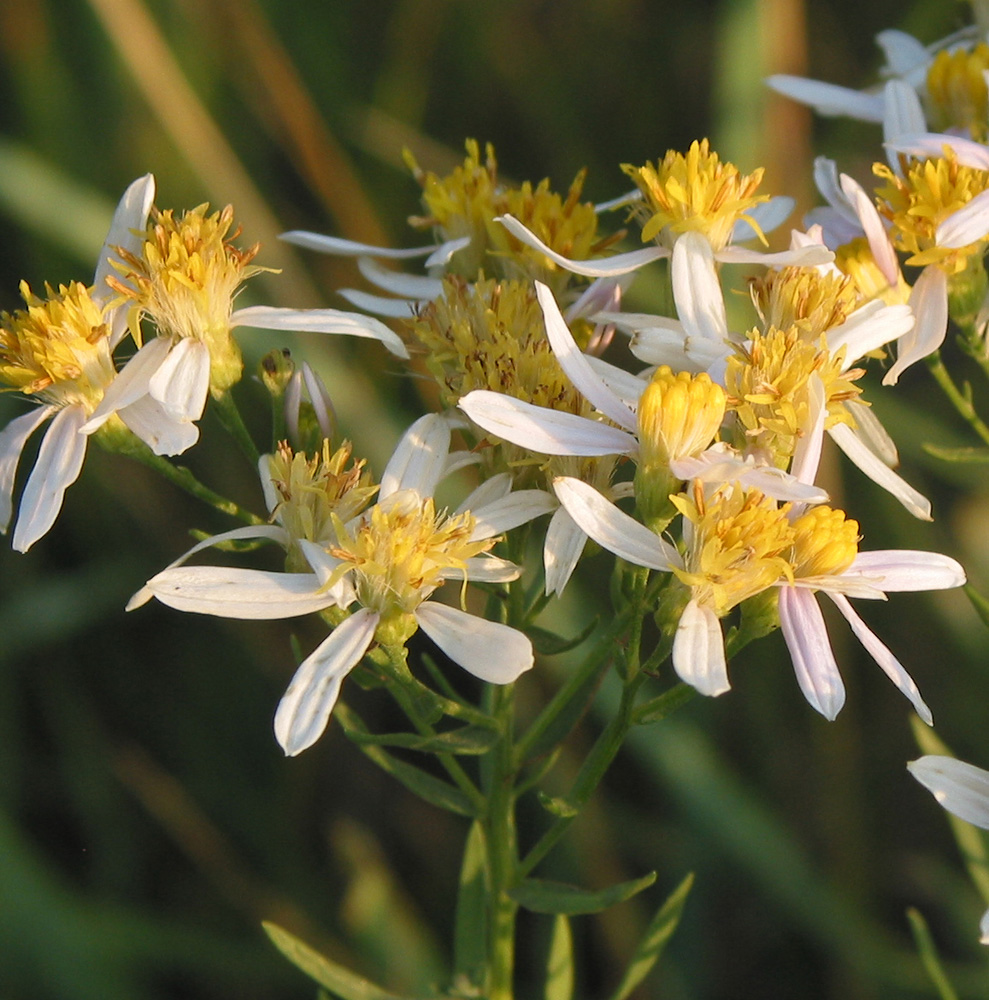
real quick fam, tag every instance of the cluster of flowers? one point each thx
(931, 203)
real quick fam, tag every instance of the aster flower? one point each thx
(389, 559)
(962, 789)
(58, 352)
(183, 276)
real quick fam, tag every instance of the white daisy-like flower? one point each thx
(183, 274)
(962, 789)
(59, 352)
(390, 559)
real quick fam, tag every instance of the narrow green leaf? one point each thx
(970, 456)
(433, 790)
(464, 740)
(541, 896)
(658, 708)
(470, 932)
(341, 982)
(549, 643)
(929, 955)
(559, 969)
(980, 603)
(659, 931)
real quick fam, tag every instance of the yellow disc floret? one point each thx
(695, 191)
(805, 298)
(738, 542)
(855, 259)
(768, 388)
(825, 543)
(467, 201)
(919, 201)
(401, 551)
(310, 492)
(185, 280)
(957, 97)
(58, 348)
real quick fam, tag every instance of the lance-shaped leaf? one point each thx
(559, 968)
(463, 740)
(470, 933)
(542, 896)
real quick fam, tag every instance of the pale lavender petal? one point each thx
(699, 650)
(271, 532)
(697, 291)
(304, 711)
(826, 179)
(56, 468)
(611, 527)
(828, 98)
(891, 666)
(12, 440)
(929, 301)
(350, 248)
(319, 398)
(962, 789)
(511, 511)
(495, 653)
(931, 145)
(767, 215)
(607, 268)
(230, 592)
(181, 381)
(550, 432)
(321, 321)
(807, 453)
(984, 928)
(577, 367)
(418, 462)
(900, 570)
(905, 55)
(628, 198)
(813, 660)
(873, 227)
(562, 549)
(904, 116)
(879, 472)
(407, 286)
(130, 383)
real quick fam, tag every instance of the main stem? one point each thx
(499, 828)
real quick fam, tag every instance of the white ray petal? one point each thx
(611, 527)
(304, 711)
(419, 460)
(350, 248)
(879, 472)
(56, 468)
(890, 665)
(873, 227)
(12, 440)
(870, 327)
(493, 652)
(442, 254)
(486, 569)
(809, 255)
(562, 549)
(230, 592)
(968, 225)
(931, 145)
(826, 179)
(126, 232)
(828, 98)
(669, 346)
(813, 660)
(904, 53)
(130, 383)
(607, 267)
(181, 381)
(697, 291)
(900, 570)
(904, 116)
(962, 789)
(550, 432)
(929, 301)
(320, 321)
(511, 511)
(271, 532)
(699, 650)
(161, 431)
(767, 215)
(492, 489)
(628, 198)
(407, 286)
(381, 305)
(872, 434)
(627, 386)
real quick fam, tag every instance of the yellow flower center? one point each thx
(466, 202)
(736, 548)
(855, 260)
(805, 298)
(921, 200)
(312, 491)
(402, 551)
(185, 281)
(767, 383)
(57, 348)
(825, 543)
(957, 97)
(695, 191)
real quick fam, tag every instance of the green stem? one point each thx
(180, 476)
(231, 419)
(960, 400)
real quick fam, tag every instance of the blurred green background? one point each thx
(148, 821)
